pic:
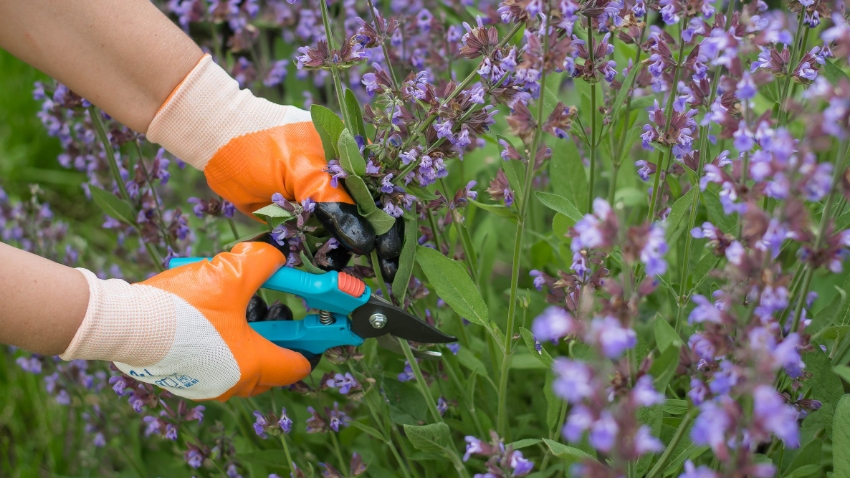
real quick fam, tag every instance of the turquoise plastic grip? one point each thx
(321, 291)
(308, 336)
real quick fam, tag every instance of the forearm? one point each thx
(43, 303)
(124, 56)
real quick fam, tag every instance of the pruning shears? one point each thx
(348, 313)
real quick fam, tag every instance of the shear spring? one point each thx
(325, 317)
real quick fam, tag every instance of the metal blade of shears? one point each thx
(378, 317)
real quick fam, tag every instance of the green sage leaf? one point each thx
(429, 438)
(273, 215)
(367, 429)
(841, 437)
(566, 452)
(525, 443)
(406, 259)
(560, 204)
(496, 209)
(453, 285)
(515, 172)
(381, 221)
(833, 73)
(803, 471)
(569, 178)
(665, 334)
(349, 155)
(329, 126)
(353, 107)
(543, 355)
(678, 212)
(726, 222)
(358, 190)
(113, 206)
(664, 367)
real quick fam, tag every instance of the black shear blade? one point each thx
(378, 317)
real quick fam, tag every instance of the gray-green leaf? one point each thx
(560, 204)
(678, 211)
(567, 172)
(543, 355)
(329, 126)
(273, 215)
(353, 108)
(406, 260)
(361, 195)
(381, 221)
(113, 206)
(349, 154)
(453, 285)
(841, 437)
(665, 334)
(429, 438)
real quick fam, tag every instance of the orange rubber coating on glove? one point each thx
(287, 159)
(220, 289)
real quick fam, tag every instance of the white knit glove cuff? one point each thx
(133, 324)
(208, 109)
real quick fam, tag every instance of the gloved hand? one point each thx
(250, 148)
(186, 330)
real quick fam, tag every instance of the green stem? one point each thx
(94, 114)
(470, 406)
(286, 452)
(593, 115)
(165, 235)
(844, 153)
(420, 381)
(669, 113)
(671, 447)
(233, 228)
(502, 416)
(783, 115)
(342, 465)
(340, 96)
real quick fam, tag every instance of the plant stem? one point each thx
(470, 406)
(838, 170)
(94, 114)
(383, 45)
(783, 115)
(340, 96)
(420, 381)
(148, 178)
(233, 228)
(674, 89)
(286, 452)
(523, 208)
(342, 468)
(593, 112)
(671, 447)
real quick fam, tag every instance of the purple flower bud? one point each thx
(574, 380)
(610, 334)
(553, 324)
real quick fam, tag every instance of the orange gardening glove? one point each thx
(250, 149)
(185, 329)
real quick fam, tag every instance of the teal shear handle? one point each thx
(320, 291)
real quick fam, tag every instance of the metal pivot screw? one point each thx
(325, 317)
(378, 321)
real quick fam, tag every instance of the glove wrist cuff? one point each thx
(133, 324)
(207, 110)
